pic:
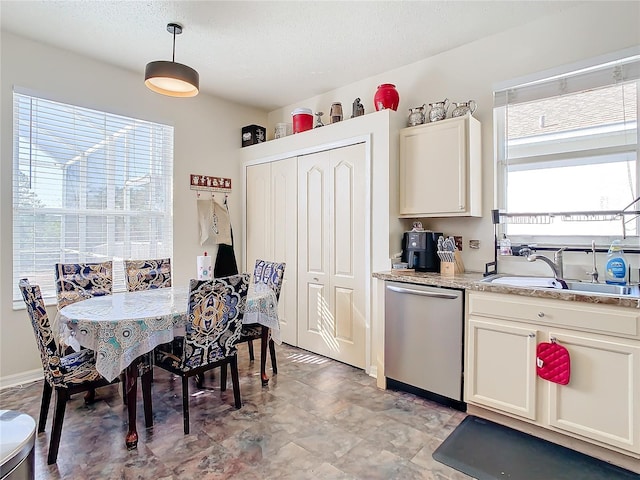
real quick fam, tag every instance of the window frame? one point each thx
(502, 164)
(120, 157)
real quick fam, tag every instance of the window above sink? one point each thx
(568, 142)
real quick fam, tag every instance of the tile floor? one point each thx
(317, 419)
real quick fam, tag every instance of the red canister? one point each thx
(386, 97)
(302, 119)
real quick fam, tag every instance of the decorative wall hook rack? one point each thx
(209, 183)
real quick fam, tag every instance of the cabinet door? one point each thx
(331, 255)
(284, 208)
(602, 397)
(500, 367)
(433, 168)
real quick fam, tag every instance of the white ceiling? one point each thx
(268, 53)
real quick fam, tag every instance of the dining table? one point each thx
(121, 328)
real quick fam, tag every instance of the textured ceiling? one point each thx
(266, 53)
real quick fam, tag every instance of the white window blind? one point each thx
(88, 186)
(569, 143)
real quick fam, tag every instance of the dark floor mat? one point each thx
(488, 451)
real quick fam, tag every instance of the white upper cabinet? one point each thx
(440, 169)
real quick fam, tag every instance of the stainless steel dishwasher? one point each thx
(423, 343)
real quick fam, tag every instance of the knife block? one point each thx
(450, 269)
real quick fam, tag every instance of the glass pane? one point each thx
(604, 117)
(585, 184)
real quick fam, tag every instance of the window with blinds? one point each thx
(88, 186)
(569, 143)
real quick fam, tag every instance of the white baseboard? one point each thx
(21, 379)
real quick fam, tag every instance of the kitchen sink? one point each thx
(601, 288)
(572, 286)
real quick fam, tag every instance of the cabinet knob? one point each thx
(532, 335)
(315, 279)
(541, 314)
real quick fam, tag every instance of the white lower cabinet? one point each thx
(502, 376)
(601, 402)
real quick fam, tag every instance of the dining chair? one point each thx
(68, 374)
(271, 275)
(147, 274)
(214, 323)
(76, 282)
(79, 281)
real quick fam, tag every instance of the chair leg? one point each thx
(272, 351)
(147, 378)
(124, 387)
(185, 403)
(250, 345)
(199, 377)
(44, 406)
(235, 380)
(223, 377)
(90, 396)
(56, 431)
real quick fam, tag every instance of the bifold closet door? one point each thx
(331, 253)
(271, 231)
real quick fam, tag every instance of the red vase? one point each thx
(386, 97)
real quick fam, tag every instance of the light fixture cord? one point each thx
(173, 59)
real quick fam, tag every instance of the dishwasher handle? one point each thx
(423, 293)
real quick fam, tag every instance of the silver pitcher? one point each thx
(417, 116)
(463, 108)
(438, 110)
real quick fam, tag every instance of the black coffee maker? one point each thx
(420, 250)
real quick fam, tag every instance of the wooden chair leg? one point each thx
(124, 387)
(250, 345)
(56, 431)
(272, 351)
(147, 378)
(44, 406)
(185, 403)
(223, 378)
(235, 380)
(264, 340)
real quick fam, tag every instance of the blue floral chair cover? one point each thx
(212, 331)
(270, 274)
(68, 374)
(79, 281)
(147, 274)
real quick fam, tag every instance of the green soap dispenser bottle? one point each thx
(616, 268)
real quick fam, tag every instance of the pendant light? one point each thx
(171, 78)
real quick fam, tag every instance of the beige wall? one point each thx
(207, 141)
(471, 71)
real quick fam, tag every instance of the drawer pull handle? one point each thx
(541, 314)
(532, 335)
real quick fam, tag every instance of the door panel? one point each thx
(331, 235)
(258, 239)
(284, 234)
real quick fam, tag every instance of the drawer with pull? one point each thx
(572, 315)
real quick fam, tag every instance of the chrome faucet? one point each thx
(556, 264)
(594, 272)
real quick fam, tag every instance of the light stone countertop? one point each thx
(472, 281)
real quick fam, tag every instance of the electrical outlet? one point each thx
(458, 241)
